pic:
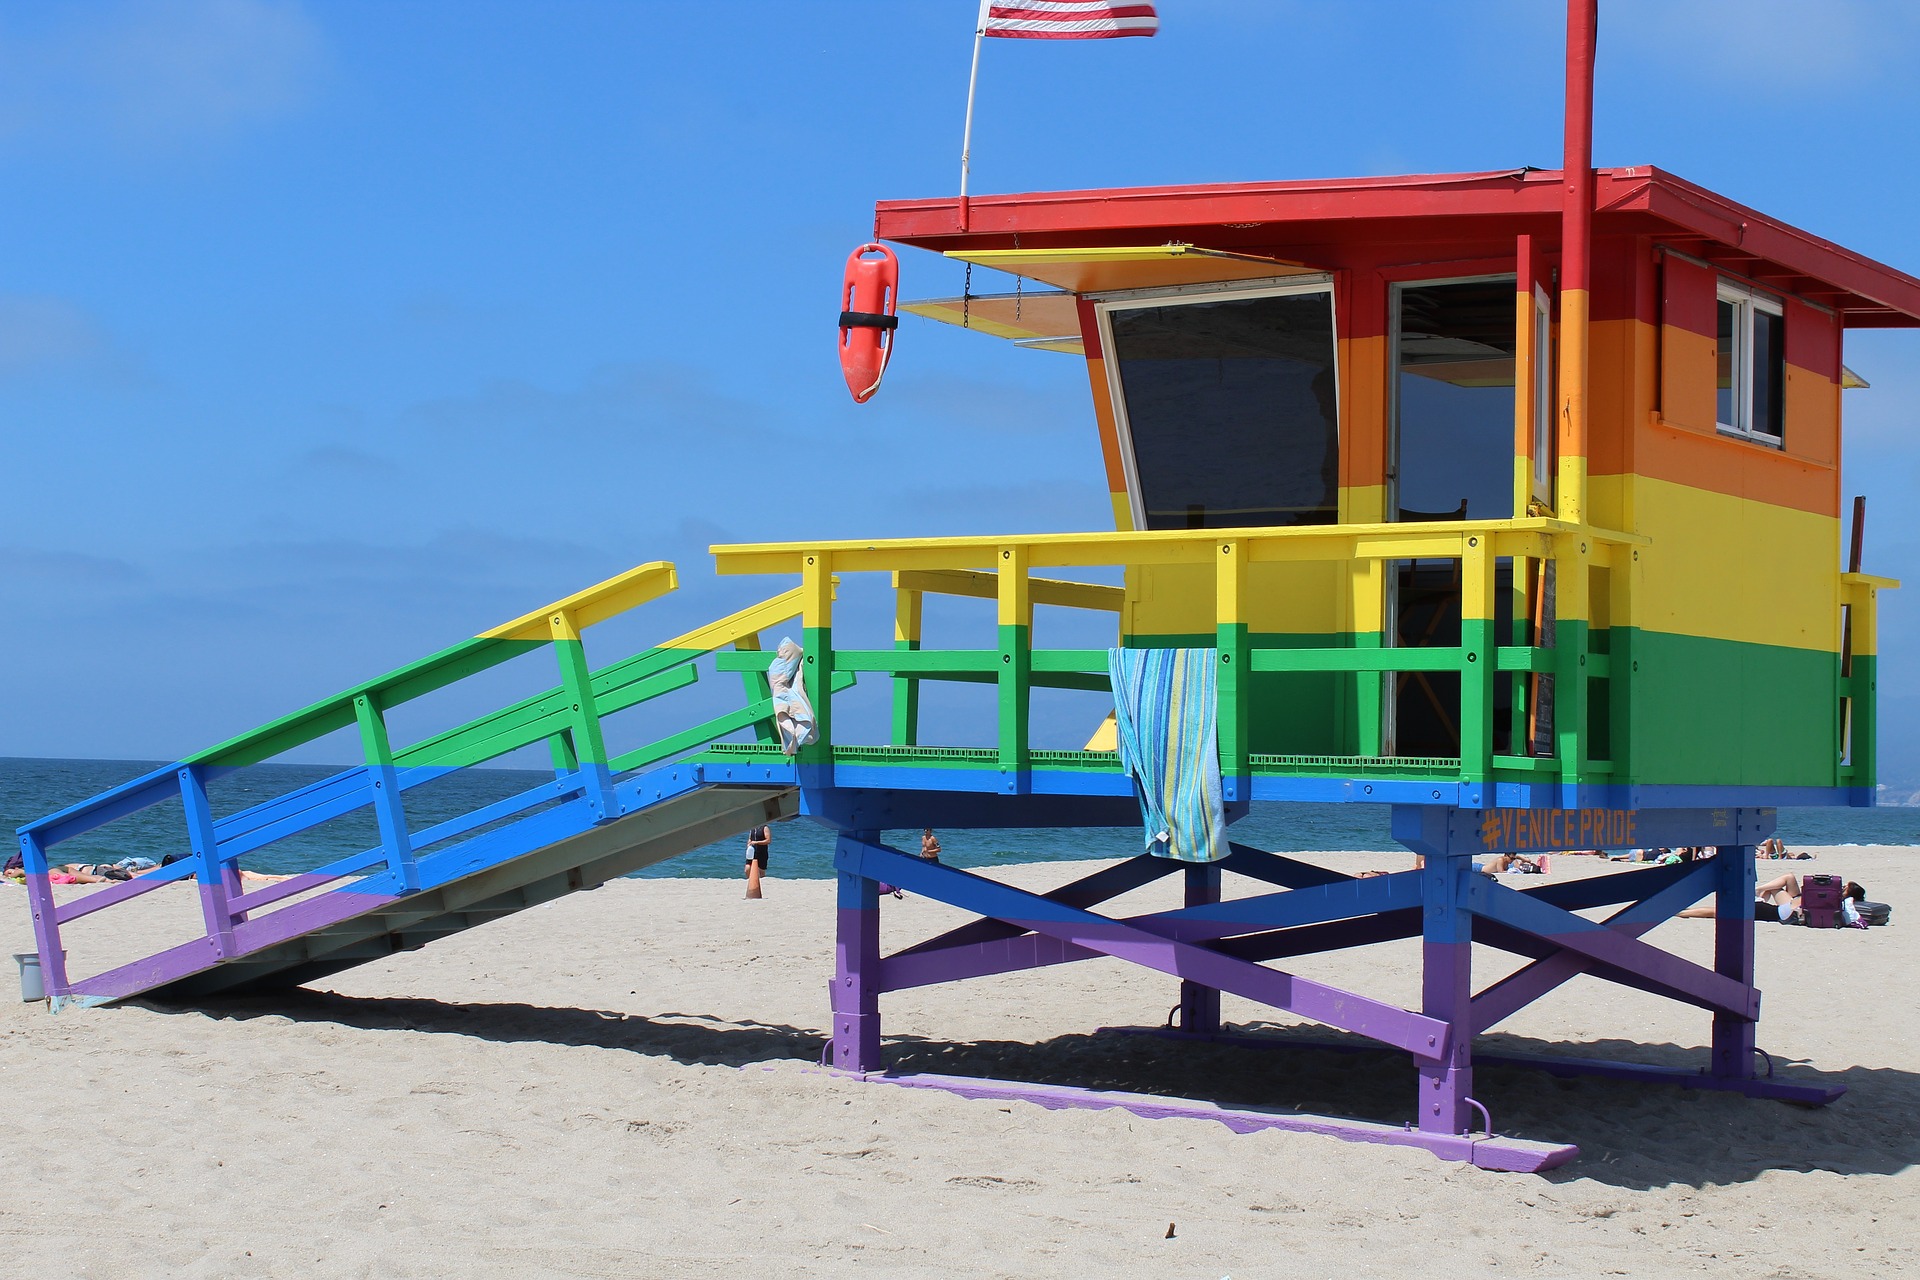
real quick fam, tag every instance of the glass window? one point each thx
(1752, 366)
(1453, 400)
(1230, 408)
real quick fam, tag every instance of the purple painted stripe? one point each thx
(977, 960)
(1422, 1036)
(1508, 1155)
(1568, 1068)
(108, 895)
(926, 964)
(1680, 978)
(306, 881)
(151, 971)
(1516, 991)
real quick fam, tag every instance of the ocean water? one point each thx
(33, 788)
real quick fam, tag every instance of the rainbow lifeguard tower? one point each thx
(1509, 500)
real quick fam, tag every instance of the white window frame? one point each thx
(1545, 420)
(1745, 303)
(1105, 304)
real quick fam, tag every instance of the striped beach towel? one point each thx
(1164, 706)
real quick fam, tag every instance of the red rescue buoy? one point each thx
(869, 298)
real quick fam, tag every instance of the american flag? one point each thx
(1068, 19)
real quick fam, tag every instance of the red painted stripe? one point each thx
(1689, 299)
(1813, 339)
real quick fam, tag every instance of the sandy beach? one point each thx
(621, 1084)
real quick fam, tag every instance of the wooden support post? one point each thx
(1016, 669)
(1199, 1003)
(46, 924)
(1477, 650)
(907, 608)
(1572, 587)
(856, 968)
(216, 891)
(1864, 732)
(576, 679)
(1447, 992)
(388, 810)
(1235, 677)
(1367, 582)
(560, 748)
(758, 689)
(1733, 1036)
(816, 637)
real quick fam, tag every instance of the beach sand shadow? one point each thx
(1630, 1135)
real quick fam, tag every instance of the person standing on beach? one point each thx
(759, 840)
(929, 845)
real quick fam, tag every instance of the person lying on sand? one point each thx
(1771, 848)
(1492, 865)
(1776, 900)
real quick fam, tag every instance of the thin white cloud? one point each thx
(152, 76)
(1766, 45)
(41, 333)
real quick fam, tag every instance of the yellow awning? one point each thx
(1049, 321)
(1106, 269)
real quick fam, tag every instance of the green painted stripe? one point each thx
(1704, 711)
(399, 685)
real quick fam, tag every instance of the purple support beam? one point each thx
(1200, 1004)
(1516, 991)
(856, 968)
(1676, 978)
(1506, 1155)
(1088, 891)
(1346, 1010)
(1733, 1032)
(1446, 995)
(1816, 1095)
(46, 919)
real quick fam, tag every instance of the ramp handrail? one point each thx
(567, 717)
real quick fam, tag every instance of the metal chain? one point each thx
(1018, 280)
(966, 300)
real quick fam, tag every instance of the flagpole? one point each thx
(966, 139)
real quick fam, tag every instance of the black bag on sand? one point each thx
(1875, 912)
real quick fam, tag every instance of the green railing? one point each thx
(1588, 563)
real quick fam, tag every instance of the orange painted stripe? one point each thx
(1109, 429)
(1739, 468)
(1363, 411)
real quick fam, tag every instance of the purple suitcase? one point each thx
(1820, 901)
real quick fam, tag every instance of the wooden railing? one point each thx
(1005, 570)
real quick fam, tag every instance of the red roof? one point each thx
(1435, 217)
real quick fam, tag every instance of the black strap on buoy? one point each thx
(868, 320)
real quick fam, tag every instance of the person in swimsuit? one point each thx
(1776, 901)
(759, 841)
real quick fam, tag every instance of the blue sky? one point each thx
(330, 334)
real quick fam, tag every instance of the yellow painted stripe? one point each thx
(1363, 504)
(1729, 568)
(597, 603)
